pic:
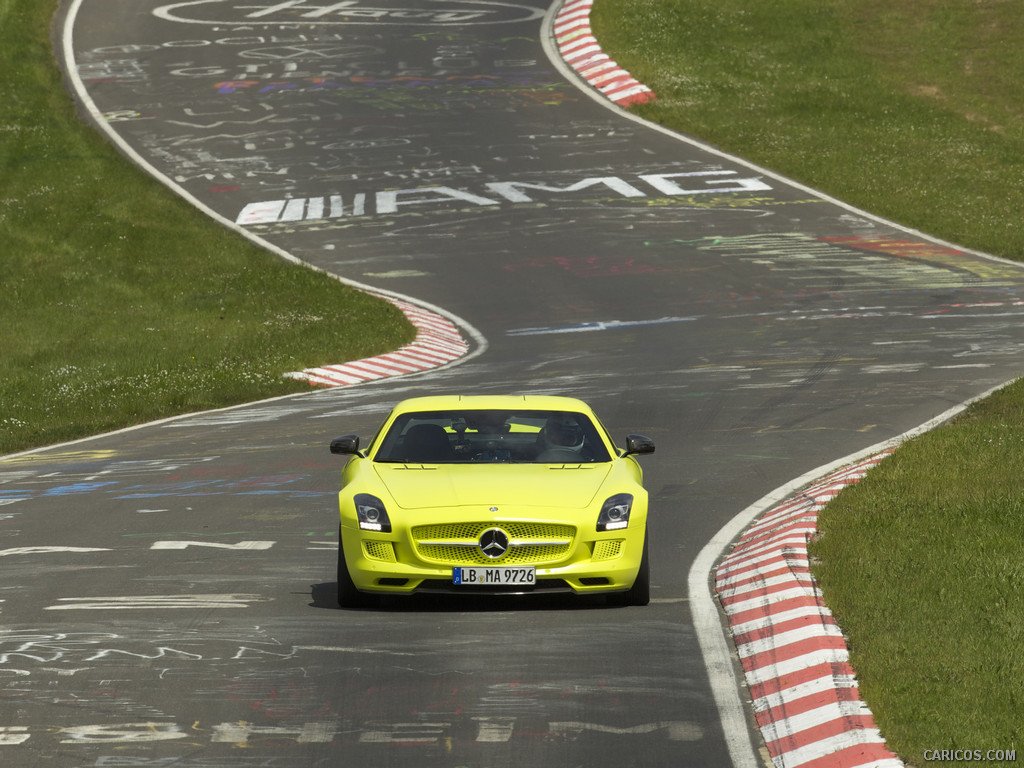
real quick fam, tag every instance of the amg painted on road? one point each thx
(495, 193)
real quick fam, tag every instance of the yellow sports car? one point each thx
(492, 495)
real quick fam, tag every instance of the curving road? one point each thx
(169, 595)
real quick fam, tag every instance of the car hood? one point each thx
(415, 486)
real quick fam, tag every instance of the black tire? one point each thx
(640, 592)
(348, 595)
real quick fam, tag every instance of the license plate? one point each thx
(481, 576)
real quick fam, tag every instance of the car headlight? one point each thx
(371, 513)
(615, 512)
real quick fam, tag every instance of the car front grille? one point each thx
(529, 543)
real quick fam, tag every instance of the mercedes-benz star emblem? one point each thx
(494, 543)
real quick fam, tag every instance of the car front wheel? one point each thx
(348, 595)
(640, 592)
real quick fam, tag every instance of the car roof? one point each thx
(481, 402)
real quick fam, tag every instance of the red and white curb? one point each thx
(580, 50)
(794, 657)
(438, 342)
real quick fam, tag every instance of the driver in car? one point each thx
(562, 439)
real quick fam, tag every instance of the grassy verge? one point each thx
(923, 565)
(119, 303)
(912, 110)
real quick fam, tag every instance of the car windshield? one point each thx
(470, 436)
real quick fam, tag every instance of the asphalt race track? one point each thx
(169, 591)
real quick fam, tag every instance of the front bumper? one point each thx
(395, 563)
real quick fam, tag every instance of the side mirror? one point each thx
(638, 444)
(345, 444)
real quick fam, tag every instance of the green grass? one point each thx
(914, 111)
(120, 302)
